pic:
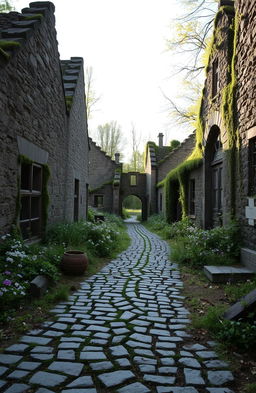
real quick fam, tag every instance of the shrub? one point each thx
(239, 334)
(157, 222)
(19, 264)
(199, 247)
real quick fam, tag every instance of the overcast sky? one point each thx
(125, 43)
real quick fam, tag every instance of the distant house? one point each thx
(44, 141)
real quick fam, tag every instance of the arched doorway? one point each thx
(214, 179)
(132, 206)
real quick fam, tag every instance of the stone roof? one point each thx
(16, 28)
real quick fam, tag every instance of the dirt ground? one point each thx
(207, 294)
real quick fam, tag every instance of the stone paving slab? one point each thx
(125, 330)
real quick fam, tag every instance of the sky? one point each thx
(124, 41)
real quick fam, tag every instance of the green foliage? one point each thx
(156, 222)
(174, 143)
(19, 264)
(90, 215)
(238, 334)
(99, 238)
(238, 290)
(4, 44)
(198, 247)
(69, 102)
(212, 321)
(33, 17)
(250, 388)
(4, 55)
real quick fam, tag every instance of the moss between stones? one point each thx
(69, 101)
(34, 17)
(4, 55)
(229, 111)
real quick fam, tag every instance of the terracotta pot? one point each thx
(74, 262)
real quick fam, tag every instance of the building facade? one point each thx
(44, 142)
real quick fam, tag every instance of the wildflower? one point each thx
(7, 273)
(7, 282)
(9, 259)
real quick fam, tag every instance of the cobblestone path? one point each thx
(124, 331)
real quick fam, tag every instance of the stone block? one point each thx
(242, 308)
(223, 274)
(38, 286)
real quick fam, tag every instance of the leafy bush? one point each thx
(19, 264)
(99, 237)
(199, 247)
(239, 334)
(157, 222)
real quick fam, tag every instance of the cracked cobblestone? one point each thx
(126, 329)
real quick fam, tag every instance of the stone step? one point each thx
(224, 274)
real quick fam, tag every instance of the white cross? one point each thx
(250, 211)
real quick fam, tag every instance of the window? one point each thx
(192, 196)
(215, 78)
(31, 200)
(217, 189)
(98, 200)
(133, 180)
(252, 166)
(161, 202)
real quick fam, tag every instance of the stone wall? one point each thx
(246, 109)
(197, 175)
(102, 167)
(35, 120)
(78, 144)
(32, 106)
(176, 157)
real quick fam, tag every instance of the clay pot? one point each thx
(74, 262)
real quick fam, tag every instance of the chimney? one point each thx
(117, 156)
(160, 139)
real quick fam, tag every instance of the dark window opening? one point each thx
(192, 197)
(215, 78)
(76, 200)
(133, 180)
(161, 202)
(31, 200)
(98, 200)
(252, 166)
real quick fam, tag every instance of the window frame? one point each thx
(95, 200)
(133, 180)
(30, 219)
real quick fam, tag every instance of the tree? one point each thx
(136, 163)
(174, 143)
(110, 138)
(5, 6)
(91, 98)
(192, 32)
(192, 36)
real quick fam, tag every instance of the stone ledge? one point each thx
(248, 258)
(223, 274)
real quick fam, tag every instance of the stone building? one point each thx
(220, 174)
(44, 141)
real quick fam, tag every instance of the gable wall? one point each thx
(32, 106)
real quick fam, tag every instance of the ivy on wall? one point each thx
(180, 175)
